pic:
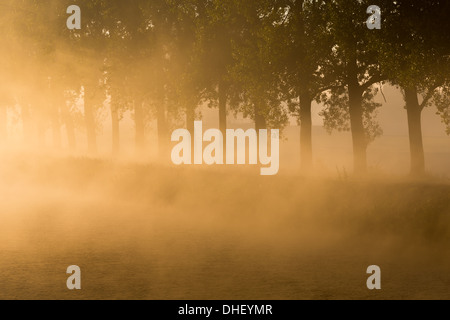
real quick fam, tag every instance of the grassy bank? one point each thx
(155, 232)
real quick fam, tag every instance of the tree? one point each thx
(215, 31)
(356, 67)
(88, 46)
(39, 65)
(415, 55)
(305, 51)
(256, 74)
(187, 59)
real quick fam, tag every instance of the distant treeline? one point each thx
(266, 59)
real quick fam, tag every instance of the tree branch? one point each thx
(429, 94)
(326, 88)
(382, 93)
(373, 80)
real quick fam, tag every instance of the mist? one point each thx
(86, 116)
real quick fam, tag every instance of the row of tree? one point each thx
(265, 59)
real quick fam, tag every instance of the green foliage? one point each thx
(415, 52)
(256, 74)
(336, 112)
(270, 56)
(353, 67)
(441, 99)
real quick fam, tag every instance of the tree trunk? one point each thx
(357, 130)
(56, 126)
(414, 112)
(162, 131)
(260, 121)
(139, 123)
(90, 121)
(115, 128)
(190, 118)
(356, 119)
(70, 128)
(223, 114)
(223, 109)
(305, 133)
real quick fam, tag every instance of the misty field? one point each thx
(141, 231)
